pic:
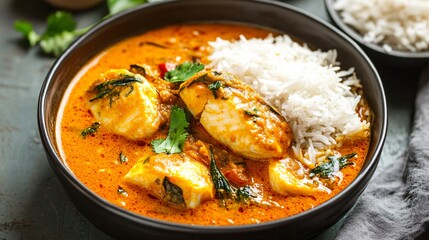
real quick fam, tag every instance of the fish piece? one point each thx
(175, 178)
(125, 104)
(287, 177)
(236, 116)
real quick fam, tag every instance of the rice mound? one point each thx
(306, 86)
(394, 24)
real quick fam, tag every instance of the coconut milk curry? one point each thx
(201, 148)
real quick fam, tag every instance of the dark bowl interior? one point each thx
(376, 52)
(281, 17)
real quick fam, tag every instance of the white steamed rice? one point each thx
(307, 86)
(394, 24)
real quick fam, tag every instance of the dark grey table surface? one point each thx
(33, 204)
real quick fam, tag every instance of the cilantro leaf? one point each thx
(56, 44)
(26, 29)
(59, 22)
(214, 87)
(116, 6)
(60, 32)
(23, 27)
(182, 72)
(61, 28)
(176, 133)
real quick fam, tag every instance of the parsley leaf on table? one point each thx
(176, 133)
(27, 30)
(182, 72)
(60, 32)
(61, 28)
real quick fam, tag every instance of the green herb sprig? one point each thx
(59, 34)
(182, 72)
(90, 130)
(252, 113)
(122, 191)
(325, 170)
(214, 86)
(112, 88)
(173, 193)
(61, 28)
(122, 158)
(176, 133)
(223, 188)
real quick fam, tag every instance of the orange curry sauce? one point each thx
(94, 159)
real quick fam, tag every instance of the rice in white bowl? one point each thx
(394, 24)
(308, 87)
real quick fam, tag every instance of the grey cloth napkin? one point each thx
(396, 203)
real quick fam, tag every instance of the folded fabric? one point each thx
(396, 203)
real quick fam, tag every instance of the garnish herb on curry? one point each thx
(122, 158)
(196, 145)
(111, 89)
(176, 134)
(325, 170)
(223, 188)
(90, 130)
(173, 193)
(182, 72)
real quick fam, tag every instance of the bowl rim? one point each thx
(336, 18)
(56, 162)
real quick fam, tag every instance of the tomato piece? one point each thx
(165, 67)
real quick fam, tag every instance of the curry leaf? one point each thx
(214, 87)
(183, 71)
(90, 130)
(122, 158)
(252, 113)
(173, 193)
(325, 170)
(113, 88)
(243, 194)
(222, 187)
(122, 191)
(176, 134)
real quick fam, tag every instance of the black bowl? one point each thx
(376, 52)
(127, 225)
